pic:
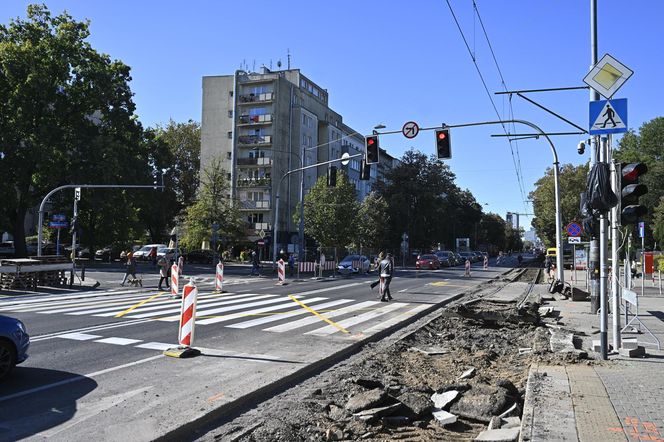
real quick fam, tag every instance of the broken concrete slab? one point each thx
(561, 341)
(365, 400)
(442, 400)
(374, 413)
(418, 403)
(495, 423)
(637, 352)
(481, 402)
(511, 422)
(499, 435)
(579, 295)
(467, 374)
(629, 343)
(430, 351)
(443, 417)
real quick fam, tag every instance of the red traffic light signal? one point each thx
(443, 146)
(631, 211)
(371, 144)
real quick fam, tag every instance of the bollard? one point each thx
(188, 314)
(174, 281)
(281, 272)
(181, 265)
(219, 278)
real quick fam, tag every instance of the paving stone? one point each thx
(499, 435)
(443, 417)
(441, 400)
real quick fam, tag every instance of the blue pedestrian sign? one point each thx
(642, 229)
(608, 116)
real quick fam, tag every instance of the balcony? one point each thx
(254, 140)
(254, 161)
(256, 98)
(253, 120)
(254, 205)
(254, 182)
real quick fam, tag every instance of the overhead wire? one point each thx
(486, 88)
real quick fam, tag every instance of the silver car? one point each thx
(353, 264)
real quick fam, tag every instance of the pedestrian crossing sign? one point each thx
(608, 116)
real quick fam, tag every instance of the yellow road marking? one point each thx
(121, 314)
(216, 397)
(439, 283)
(312, 311)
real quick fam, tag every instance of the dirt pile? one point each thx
(448, 380)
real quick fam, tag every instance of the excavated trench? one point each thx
(447, 377)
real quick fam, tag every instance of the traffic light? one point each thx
(631, 190)
(365, 171)
(371, 144)
(443, 147)
(332, 176)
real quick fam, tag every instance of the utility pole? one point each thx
(593, 264)
(615, 243)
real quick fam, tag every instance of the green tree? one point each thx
(658, 222)
(330, 213)
(572, 183)
(66, 116)
(373, 222)
(212, 206)
(492, 231)
(184, 143)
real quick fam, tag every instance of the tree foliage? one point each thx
(330, 213)
(212, 206)
(572, 183)
(373, 222)
(67, 117)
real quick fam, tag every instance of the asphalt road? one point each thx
(96, 365)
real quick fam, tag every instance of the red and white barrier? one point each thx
(281, 271)
(307, 266)
(219, 279)
(174, 281)
(188, 314)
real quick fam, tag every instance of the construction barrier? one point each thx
(281, 271)
(174, 281)
(188, 314)
(219, 279)
(307, 267)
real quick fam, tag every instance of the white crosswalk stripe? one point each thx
(261, 311)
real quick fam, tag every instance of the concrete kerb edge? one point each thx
(225, 412)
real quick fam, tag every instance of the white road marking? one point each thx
(224, 318)
(214, 311)
(395, 320)
(300, 311)
(313, 319)
(118, 341)
(329, 329)
(79, 336)
(156, 346)
(200, 313)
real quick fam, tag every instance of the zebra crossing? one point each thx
(263, 311)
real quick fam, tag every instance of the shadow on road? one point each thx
(33, 400)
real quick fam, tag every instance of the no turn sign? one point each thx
(410, 129)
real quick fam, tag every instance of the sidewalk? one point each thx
(615, 400)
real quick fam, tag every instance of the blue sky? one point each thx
(391, 62)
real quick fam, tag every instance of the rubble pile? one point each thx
(462, 376)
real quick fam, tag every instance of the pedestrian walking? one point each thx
(552, 272)
(385, 269)
(379, 258)
(153, 256)
(291, 264)
(322, 263)
(255, 264)
(547, 266)
(467, 273)
(130, 268)
(164, 270)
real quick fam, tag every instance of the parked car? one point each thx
(467, 256)
(7, 249)
(108, 253)
(14, 343)
(428, 261)
(459, 259)
(446, 258)
(84, 253)
(198, 256)
(353, 264)
(166, 252)
(142, 253)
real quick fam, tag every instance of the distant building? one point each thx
(261, 125)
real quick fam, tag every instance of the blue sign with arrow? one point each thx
(608, 116)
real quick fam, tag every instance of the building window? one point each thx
(230, 134)
(230, 114)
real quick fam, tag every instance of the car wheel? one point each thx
(7, 358)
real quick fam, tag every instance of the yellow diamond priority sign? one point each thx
(607, 76)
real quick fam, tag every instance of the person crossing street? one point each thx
(385, 270)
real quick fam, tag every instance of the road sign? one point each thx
(410, 129)
(574, 229)
(261, 233)
(642, 229)
(58, 218)
(574, 240)
(607, 76)
(58, 224)
(608, 116)
(345, 158)
(77, 193)
(260, 242)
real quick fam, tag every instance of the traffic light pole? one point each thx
(615, 246)
(603, 261)
(40, 226)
